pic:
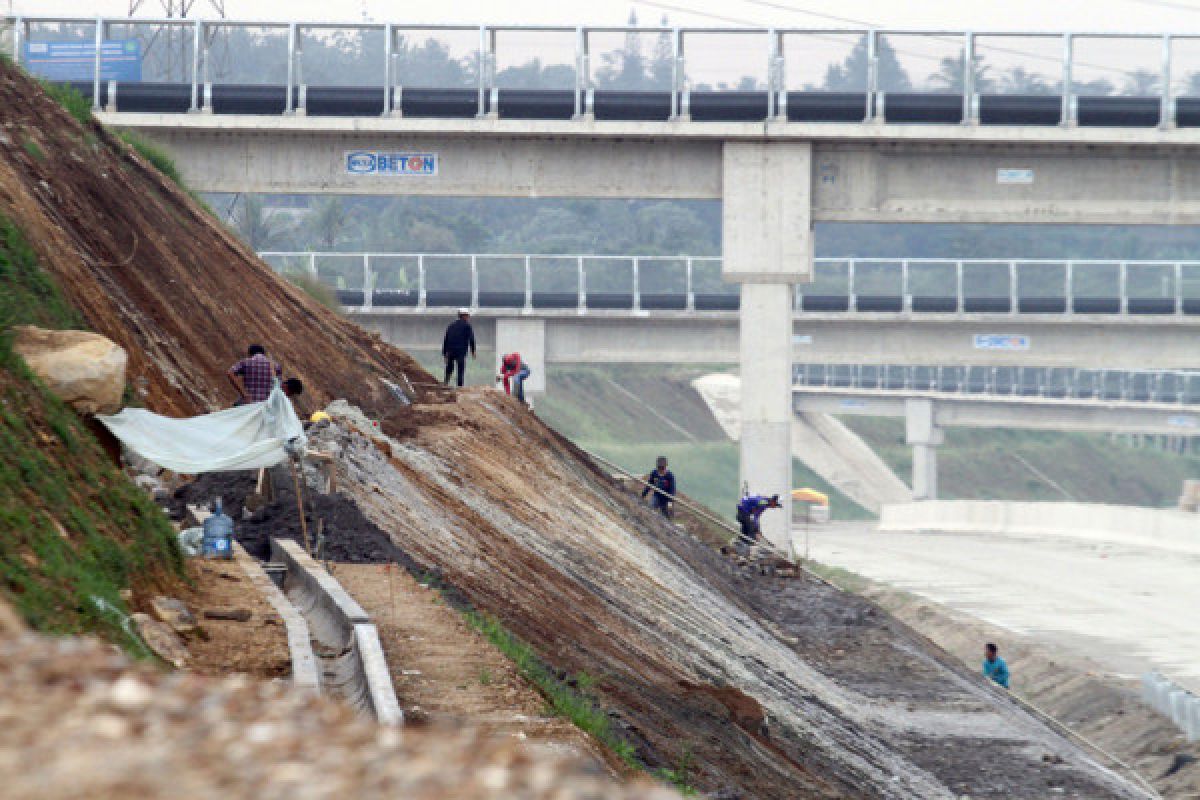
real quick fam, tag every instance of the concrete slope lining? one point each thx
(351, 655)
(824, 444)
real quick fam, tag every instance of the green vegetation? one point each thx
(162, 161)
(76, 104)
(1006, 464)
(33, 149)
(315, 289)
(154, 154)
(76, 531)
(562, 700)
(679, 776)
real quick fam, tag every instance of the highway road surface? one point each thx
(1129, 609)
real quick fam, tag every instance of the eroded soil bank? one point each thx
(766, 686)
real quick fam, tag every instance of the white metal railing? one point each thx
(693, 283)
(689, 48)
(1181, 387)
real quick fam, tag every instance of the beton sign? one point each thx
(373, 162)
(1001, 341)
(1011, 175)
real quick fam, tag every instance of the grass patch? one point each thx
(316, 290)
(34, 150)
(562, 699)
(162, 161)
(75, 530)
(154, 154)
(843, 579)
(76, 104)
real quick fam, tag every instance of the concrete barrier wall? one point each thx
(356, 668)
(1177, 531)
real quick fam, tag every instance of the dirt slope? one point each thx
(770, 687)
(775, 689)
(150, 269)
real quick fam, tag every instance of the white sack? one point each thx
(246, 437)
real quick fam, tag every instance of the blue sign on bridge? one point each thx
(120, 60)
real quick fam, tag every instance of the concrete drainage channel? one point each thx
(348, 660)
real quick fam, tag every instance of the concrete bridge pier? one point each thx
(766, 227)
(528, 337)
(922, 432)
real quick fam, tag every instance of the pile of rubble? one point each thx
(79, 720)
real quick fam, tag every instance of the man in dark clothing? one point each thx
(749, 509)
(662, 482)
(459, 338)
(258, 374)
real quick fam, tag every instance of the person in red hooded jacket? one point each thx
(513, 369)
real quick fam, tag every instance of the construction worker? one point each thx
(459, 338)
(994, 666)
(662, 482)
(257, 373)
(749, 509)
(512, 367)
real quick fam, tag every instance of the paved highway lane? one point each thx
(1128, 608)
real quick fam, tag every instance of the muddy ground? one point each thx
(1105, 708)
(255, 646)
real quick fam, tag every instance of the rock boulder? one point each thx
(85, 369)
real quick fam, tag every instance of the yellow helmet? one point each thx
(318, 416)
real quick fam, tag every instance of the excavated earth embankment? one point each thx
(149, 268)
(767, 688)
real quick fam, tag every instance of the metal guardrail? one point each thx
(691, 283)
(1180, 387)
(773, 64)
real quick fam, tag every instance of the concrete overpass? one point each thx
(928, 413)
(548, 337)
(897, 311)
(776, 173)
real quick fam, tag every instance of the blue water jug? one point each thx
(218, 534)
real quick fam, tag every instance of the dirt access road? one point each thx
(444, 671)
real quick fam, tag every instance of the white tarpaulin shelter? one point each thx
(246, 437)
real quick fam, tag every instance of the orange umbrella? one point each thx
(810, 496)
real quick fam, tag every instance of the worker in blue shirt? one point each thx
(662, 482)
(994, 666)
(749, 509)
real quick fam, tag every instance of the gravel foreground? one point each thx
(77, 719)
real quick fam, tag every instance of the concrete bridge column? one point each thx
(766, 226)
(527, 337)
(922, 432)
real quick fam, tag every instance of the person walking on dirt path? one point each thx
(257, 374)
(749, 509)
(459, 338)
(994, 666)
(512, 367)
(662, 482)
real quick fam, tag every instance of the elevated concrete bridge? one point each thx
(928, 413)
(777, 160)
(631, 309)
